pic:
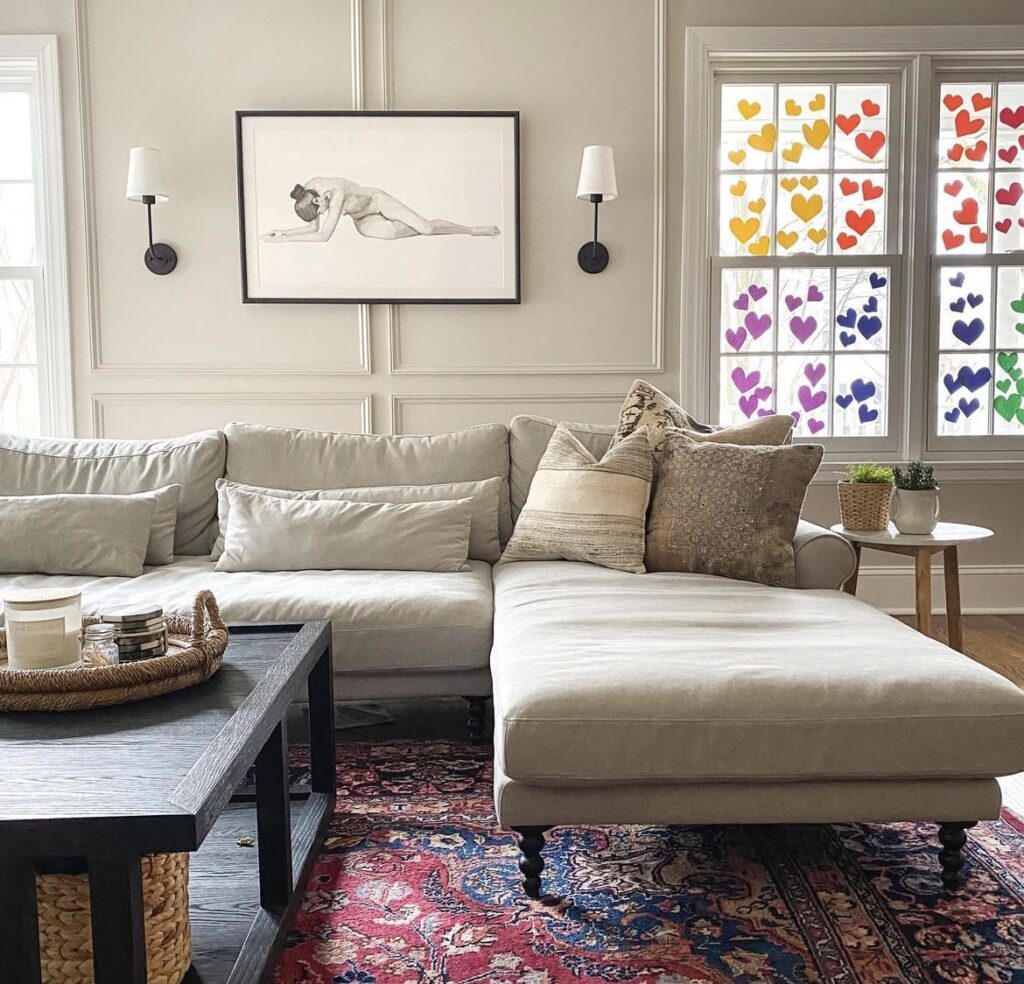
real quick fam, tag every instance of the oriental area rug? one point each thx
(417, 883)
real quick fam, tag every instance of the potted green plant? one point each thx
(915, 506)
(864, 497)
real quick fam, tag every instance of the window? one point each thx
(34, 353)
(854, 236)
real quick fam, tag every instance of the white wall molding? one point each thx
(985, 589)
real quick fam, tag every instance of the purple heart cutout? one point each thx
(744, 381)
(793, 302)
(814, 373)
(736, 337)
(747, 405)
(763, 392)
(811, 401)
(757, 324)
(757, 291)
(814, 425)
(803, 328)
(813, 294)
(741, 302)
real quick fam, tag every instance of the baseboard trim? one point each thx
(985, 589)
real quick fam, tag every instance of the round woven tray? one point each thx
(196, 650)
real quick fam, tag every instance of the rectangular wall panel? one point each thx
(433, 414)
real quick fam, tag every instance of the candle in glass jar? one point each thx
(43, 629)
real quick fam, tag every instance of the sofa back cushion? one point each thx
(48, 466)
(528, 440)
(286, 458)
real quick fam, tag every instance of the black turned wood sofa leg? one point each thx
(475, 718)
(953, 837)
(531, 864)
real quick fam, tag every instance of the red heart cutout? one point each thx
(951, 240)
(1020, 140)
(980, 102)
(967, 214)
(848, 187)
(955, 152)
(1020, 222)
(862, 222)
(965, 125)
(978, 151)
(845, 240)
(870, 108)
(951, 101)
(869, 144)
(1013, 118)
(871, 191)
(1003, 226)
(953, 187)
(1011, 195)
(1008, 154)
(977, 236)
(847, 123)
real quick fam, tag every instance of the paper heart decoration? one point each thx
(958, 305)
(741, 302)
(1003, 226)
(951, 383)
(871, 305)
(968, 406)
(759, 248)
(974, 379)
(847, 186)
(1013, 118)
(871, 191)
(846, 241)
(747, 404)
(736, 337)
(869, 108)
(968, 332)
(757, 324)
(847, 320)
(744, 381)
(816, 133)
(844, 400)
(743, 229)
(977, 236)
(814, 425)
(765, 140)
(803, 328)
(975, 299)
(748, 109)
(952, 415)
(951, 240)
(980, 101)
(817, 103)
(809, 400)
(957, 280)
(876, 280)
(869, 144)
(977, 152)
(847, 338)
(814, 294)
(847, 123)
(869, 325)
(1007, 154)
(953, 187)
(866, 415)
(757, 291)
(862, 390)
(1007, 406)
(952, 101)
(860, 223)
(786, 239)
(793, 302)
(967, 214)
(1010, 195)
(965, 124)
(815, 373)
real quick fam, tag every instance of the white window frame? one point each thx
(31, 60)
(709, 50)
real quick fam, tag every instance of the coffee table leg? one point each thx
(19, 920)
(322, 755)
(923, 579)
(274, 821)
(850, 587)
(118, 920)
(954, 624)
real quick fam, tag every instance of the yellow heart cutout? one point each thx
(786, 239)
(793, 152)
(757, 206)
(818, 102)
(816, 133)
(806, 208)
(788, 183)
(765, 140)
(743, 229)
(809, 181)
(738, 189)
(737, 156)
(793, 108)
(760, 248)
(817, 235)
(748, 109)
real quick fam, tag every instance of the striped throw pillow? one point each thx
(579, 508)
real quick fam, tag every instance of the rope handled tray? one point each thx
(195, 651)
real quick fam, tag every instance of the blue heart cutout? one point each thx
(952, 415)
(877, 280)
(952, 385)
(869, 325)
(957, 280)
(871, 305)
(958, 305)
(973, 380)
(968, 333)
(844, 400)
(862, 390)
(847, 338)
(847, 320)
(969, 407)
(866, 415)
(975, 299)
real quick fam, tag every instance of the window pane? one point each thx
(17, 321)
(19, 400)
(748, 134)
(17, 224)
(16, 145)
(862, 128)
(1008, 215)
(965, 124)
(1010, 125)
(965, 392)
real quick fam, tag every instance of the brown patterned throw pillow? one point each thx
(579, 508)
(729, 510)
(775, 429)
(646, 406)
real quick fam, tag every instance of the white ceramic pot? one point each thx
(915, 512)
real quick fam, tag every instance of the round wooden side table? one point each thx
(945, 538)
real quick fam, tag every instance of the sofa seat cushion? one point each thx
(390, 621)
(605, 677)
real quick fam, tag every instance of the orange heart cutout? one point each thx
(765, 140)
(848, 186)
(748, 109)
(788, 183)
(869, 144)
(951, 239)
(817, 235)
(792, 153)
(743, 229)
(816, 133)
(980, 101)
(955, 152)
(848, 123)
(818, 102)
(952, 101)
(967, 214)
(760, 248)
(869, 108)
(846, 241)
(738, 189)
(977, 152)
(965, 125)
(809, 181)
(860, 223)
(871, 191)
(757, 206)
(977, 236)
(737, 156)
(786, 239)
(793, 108)
(806, 208)
(953, 187)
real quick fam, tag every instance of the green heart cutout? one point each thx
(1020, 327)
(1016, 373)
(1020, 386)
(1018, 305)
(1020, 416)
(1006, 360)
(1007, 406)
(1003, 385)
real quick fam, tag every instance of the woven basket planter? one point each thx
(198, 650)
(864, 505)
(65, 930)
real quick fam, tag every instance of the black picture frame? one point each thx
(247, 298)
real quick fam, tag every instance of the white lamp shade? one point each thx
(145, 175)
(597, 174)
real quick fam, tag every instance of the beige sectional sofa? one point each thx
(618, 698)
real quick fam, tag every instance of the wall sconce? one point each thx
(597, 184)
(146, 185)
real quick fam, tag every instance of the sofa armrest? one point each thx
(823, 559)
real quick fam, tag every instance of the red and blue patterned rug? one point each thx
(416, 883)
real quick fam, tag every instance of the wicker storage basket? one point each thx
(198, 650)
(65, 931)
(864, 505)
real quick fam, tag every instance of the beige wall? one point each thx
(167, 355)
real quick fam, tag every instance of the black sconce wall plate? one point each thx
(593, 256)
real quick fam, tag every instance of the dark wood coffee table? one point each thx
(99, 789)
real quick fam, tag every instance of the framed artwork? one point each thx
(352, 207)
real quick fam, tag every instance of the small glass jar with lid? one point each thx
(100, 647)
